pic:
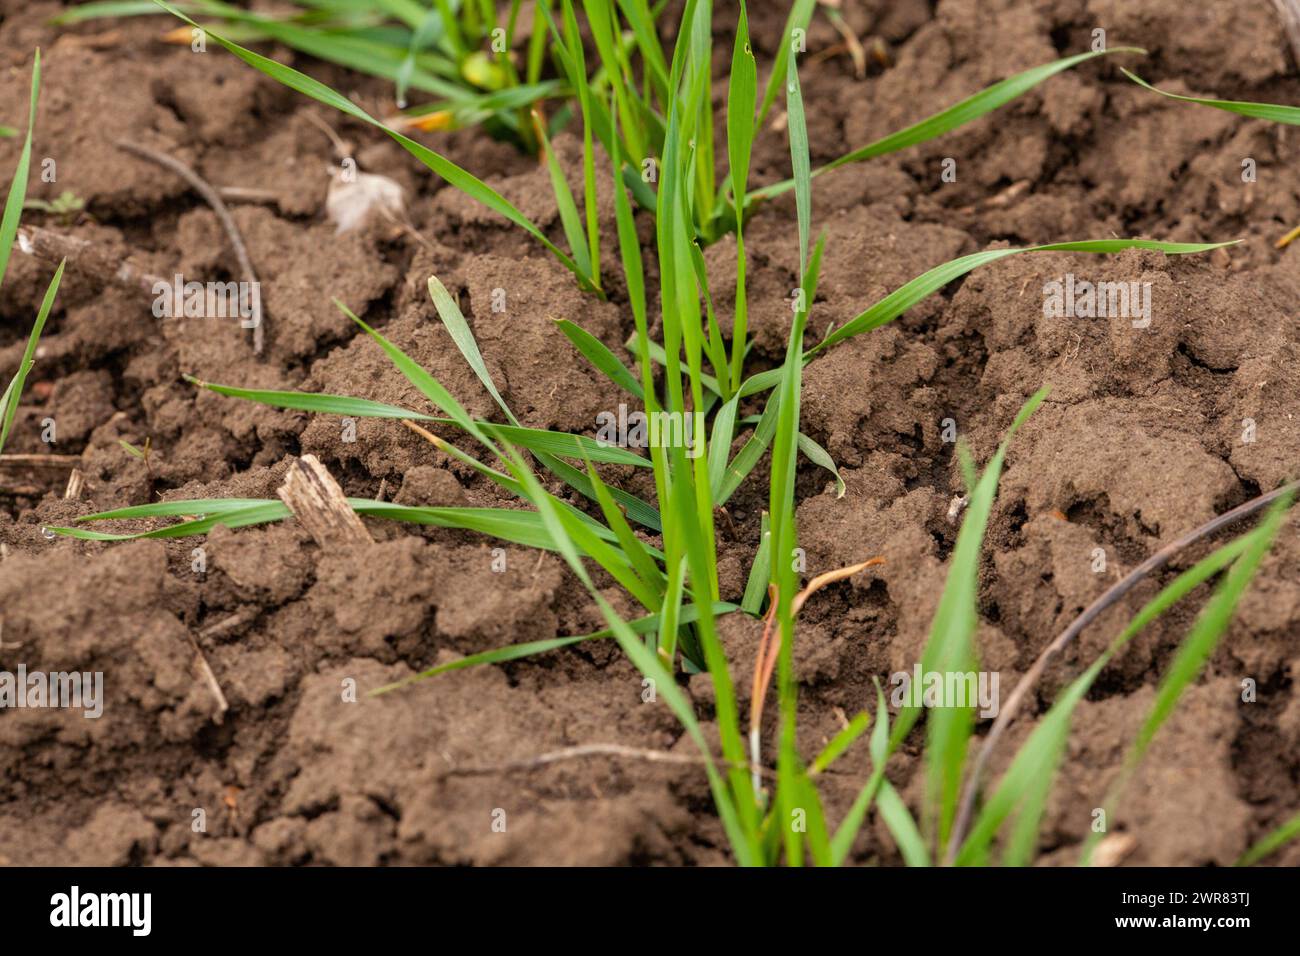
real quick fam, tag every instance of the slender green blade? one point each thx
(971, 108)
(821, 457)
(893, 811)
(1273, 842)
(949, 648)
(463, 336)
(319, 402)
(906, 296)
(601, 358)
(1266, 111)
(570, 218)
(742, 93)
(840, 743)
(18, 187)
(14, 391)
(760, 572)
(645, 660)
(801, 12)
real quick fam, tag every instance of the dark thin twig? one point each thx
(213, 199)
(1113, 594)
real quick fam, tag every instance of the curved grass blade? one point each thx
(1265, 111)
(724, 426)
(517, 526)
(908, 295)
(13, 392)
(463, 336)
(319, 402)
(840, 743)
(633, 547)
(1271, 843)
(205, 507)
(821, 457)
(760, 572)
(261, 512)
(601, 358)
(534, 439)
(18, 186)
(949, 648)
(971, 108)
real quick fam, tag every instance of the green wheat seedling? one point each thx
(457, 52)
(1019, 800)
(663, 552)
(8, 233)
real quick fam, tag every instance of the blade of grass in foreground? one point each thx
(1193, 653)
(1021, 789)
(971, 108)
(534, 439)
(793, 786)
(1266, 111)
(951, 648)
(18, 187)
(902, 827)
(517, 526)
(13, 392)
(1271, 843)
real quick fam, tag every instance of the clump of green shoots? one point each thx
(663, 552)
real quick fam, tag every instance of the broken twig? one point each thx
(319, 503)
(213, 199)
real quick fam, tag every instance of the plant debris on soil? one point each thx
(236, 665)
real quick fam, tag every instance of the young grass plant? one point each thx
(8, 233)
(1024, 788)
(675, 580)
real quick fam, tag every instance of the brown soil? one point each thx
(1139, 442)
